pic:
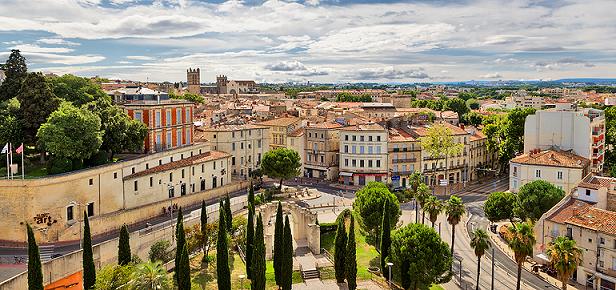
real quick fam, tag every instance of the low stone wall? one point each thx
(106, 253)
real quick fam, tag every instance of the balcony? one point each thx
(403, 160)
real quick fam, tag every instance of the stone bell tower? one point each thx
(193, 77)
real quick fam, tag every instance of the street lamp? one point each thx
(242, 276)
(389, 264)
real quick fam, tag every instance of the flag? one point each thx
(5, 149)
(20, 149)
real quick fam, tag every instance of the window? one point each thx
(182, 173)
(354, 149)
(168, 117)
(369, 163)
(354, 138)
(232, 162)
(202, 168)
(91, 181)
(178, 137)
(69, 213)
(170, 176)
(346, 148)
(538, 173)
(169, 141)
(378, 149)
(354, 162)
(178, 116)
(346, 137)
(91, 209)
(132, 170)
(151, 181)
(559, 175)
(147, 166)
(361, 138)
(258, 143)
(370, 138)
(115, 175)
(157, 119)
(138, 116)
(369, 149)
(241, 145)
(233, 146)
(378, 163)
(135, 187)
(378, 138)
(588, 192)
(361, 149)
(602, 240)
(346, 163)
(214, 165)
(187, 119)
(322, 158)
(361, 163)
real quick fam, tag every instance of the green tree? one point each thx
(222, 253)
(278, 245)
(121, 133)
(454, 208)
(250, 240)
(505, 133)
(16, 71)
(258, 258)
(473, 104)
(433, 206)
(180, 243)
(369, 201)
(37, 102)
(420, 256)
(124, 255)
(183, 273)
(204, 232)
(457, 105)
(188, 97)
(480, 242)
(565, 256)
(521, 240)
(89, 270)
(440, 143)
(10, 129)
(281, 163)
(228, 214)
(421, 195)
(473, 118)
(340, 251)
(499, 206)
(385, 238)
(77, 90)
(58, 135)
(150, 275)
(159, 251)
(251, 195)
(536, 198)
(113, 277)
(287, 257)
(415, 183)
(35, 272)
(351, 257)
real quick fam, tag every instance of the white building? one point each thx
(581, 131)
(522, 100)
(2, 76)
(563, 169)
(363, 154)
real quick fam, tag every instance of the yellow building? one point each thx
(404, 156)
(137, 189)
(279, 128)
(322, 146)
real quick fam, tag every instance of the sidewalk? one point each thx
(502, 245)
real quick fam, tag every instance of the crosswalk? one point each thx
(481, 190)
(46, 253)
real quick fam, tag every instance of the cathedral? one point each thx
(223, 85)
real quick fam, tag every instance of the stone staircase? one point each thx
(310, 274)
(46, 253)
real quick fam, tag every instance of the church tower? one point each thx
(221, 84)
(193, 77)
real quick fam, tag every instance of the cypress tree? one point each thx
(278, 245)
(222, 255)
(16, 70)
(182, 272)
(204, 235)
(258, 258)
(89, 271)
(35, 273)
(385, 238)
(228, 214)
(180, 242)
(250, 233)
(251, 196)
(351, 260)
(287, 262)
(124, 256)
(339, 251)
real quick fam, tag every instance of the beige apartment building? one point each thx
(587, 217)
(363, 154)
(53, 205)
(561, 168)
(246, 143)
(279, 129)
(322, 149)
(435, 168)
(297, 142)
(404, 156)
(481, 162)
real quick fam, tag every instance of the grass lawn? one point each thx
(238, 268)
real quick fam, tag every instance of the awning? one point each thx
(543, 257)
(346, 174)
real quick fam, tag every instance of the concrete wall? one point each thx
(567, 130)
(106, 253)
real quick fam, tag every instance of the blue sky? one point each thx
(316, 40)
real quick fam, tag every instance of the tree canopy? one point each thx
(499, 206)
(420, 256)
(15, 70)
(369, 204)
(505, 133)
(536, 198)
(37, 102)
(281, 163)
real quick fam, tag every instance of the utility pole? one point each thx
(492, 287)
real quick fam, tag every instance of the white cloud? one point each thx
(286, 66)
(491, 76)
(40, 58)
(38, 49)
(139, 57)
(57, 41)
(388, 73)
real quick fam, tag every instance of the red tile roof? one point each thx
(596, 182)
(552, 158)
(197, 159)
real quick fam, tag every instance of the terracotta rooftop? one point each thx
(364, 127)
(552, 158)
(572, 207)
(220, 128)
(595, 219)
(298, 132)
(423, 130)
(325, 125)
(280, 121)
(596, 182)
(197, 159)
(399, 135)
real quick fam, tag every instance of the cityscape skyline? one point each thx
(317, 41)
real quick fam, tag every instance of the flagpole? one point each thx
(8, 174)
(23, 152)
(11, 152)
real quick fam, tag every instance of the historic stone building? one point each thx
(223, 85)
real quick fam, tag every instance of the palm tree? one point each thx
(480, 243)
(521, 241)
(421, 195)
(415, 182)
(564, 256)
(455, 210)
(150, 275)
(434, 207)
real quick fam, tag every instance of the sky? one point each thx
(335, 41)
